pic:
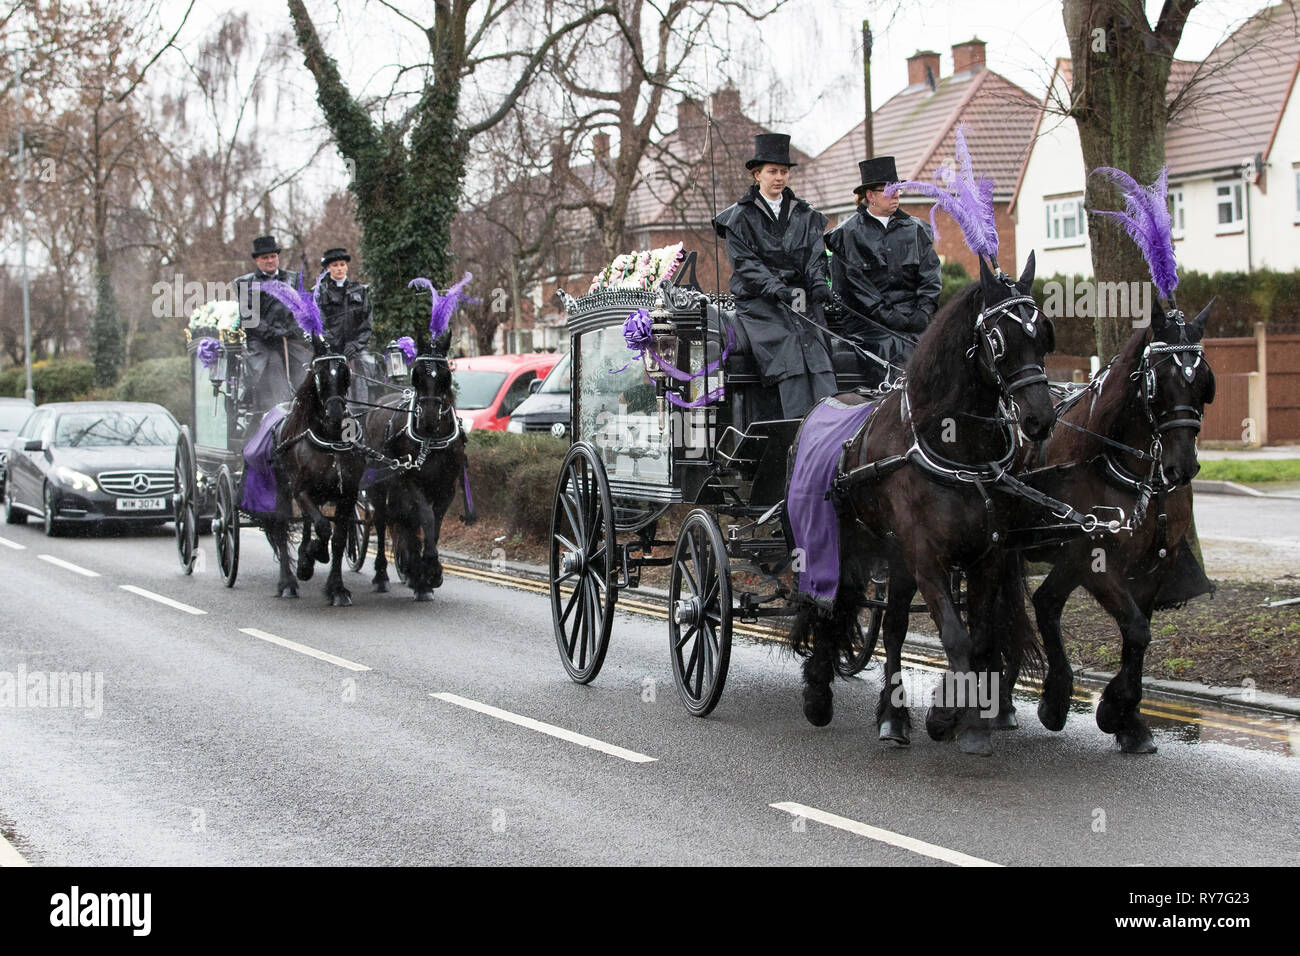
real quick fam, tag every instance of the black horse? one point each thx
(930, 505)
(1132, 448)
(424, 458)
(316, 464)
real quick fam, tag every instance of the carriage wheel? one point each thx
(185, 510)
(862, 645)
(699, 618)
(582, 543)
(225, 528)
(359, 535)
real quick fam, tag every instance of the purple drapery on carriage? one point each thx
(259, 479)
(813, 522)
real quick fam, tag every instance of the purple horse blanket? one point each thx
(259, 479)
(809, 505)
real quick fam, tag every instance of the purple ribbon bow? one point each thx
(638, 333)
(208, 349)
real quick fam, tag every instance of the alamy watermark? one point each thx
(53, 689)
(966, 689)
(1086, 299)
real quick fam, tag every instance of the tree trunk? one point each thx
(1118, 100)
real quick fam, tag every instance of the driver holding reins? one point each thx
(885, 269)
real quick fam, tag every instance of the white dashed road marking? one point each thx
(303, 649)
(68, 565)
(550, 729)
(931, 850)
(9, 856)
(13, 544)
(160, 599)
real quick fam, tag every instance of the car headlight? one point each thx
(516, 426)
(74, 479)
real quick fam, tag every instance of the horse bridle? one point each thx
(991, 346)
(1169, 418)
(327, 444)
(417, 413)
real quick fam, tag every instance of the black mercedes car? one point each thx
(92, 462)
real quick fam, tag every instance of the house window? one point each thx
(1228, 197)
(1177, 212)
(1065, 221)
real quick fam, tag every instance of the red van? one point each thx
(489, 387)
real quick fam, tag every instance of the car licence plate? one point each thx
(141, 504)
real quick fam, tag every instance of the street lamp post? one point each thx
(22, 243)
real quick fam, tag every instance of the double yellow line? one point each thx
(1169, 710)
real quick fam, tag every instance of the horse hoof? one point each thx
(1136, 741)
(818, 707)
(305, 570)
(424, 595)
(1110, 718)
(896, 731)
(1051, 715)
(975, 741)
(1006, 720)
(381, 587)
(940, 722)
(342, 599)
(288, 591)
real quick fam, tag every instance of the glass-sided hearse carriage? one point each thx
(636, 452)
(210, 460)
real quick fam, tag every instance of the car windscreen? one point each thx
(13, 416)
(476, 389)
(110, 427)
(558, 380)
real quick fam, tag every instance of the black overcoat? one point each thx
(771, 255)
(348, 315)
(890, 275)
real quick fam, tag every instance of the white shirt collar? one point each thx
(773, 204)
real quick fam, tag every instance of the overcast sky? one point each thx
(811, 50)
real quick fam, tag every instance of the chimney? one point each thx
(923, 68)
(725, 102)
(600, 142)
(690, 115)
(968, 56)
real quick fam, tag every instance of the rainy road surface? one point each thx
(235, 728)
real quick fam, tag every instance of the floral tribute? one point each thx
(219, 314)
(639, 270)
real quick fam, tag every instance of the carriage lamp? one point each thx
(395, 361)
(663, 330)
(217, 373)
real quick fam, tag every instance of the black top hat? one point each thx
(334, 255)
(771, 148)
(876, 172)
(263, 245)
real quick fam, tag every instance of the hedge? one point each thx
(162, 380)
(513, 477)
(53, 380)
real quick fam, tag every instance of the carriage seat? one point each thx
(850, 369)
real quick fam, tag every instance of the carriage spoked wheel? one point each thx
(699, 613)
(581, 563)
(225, 528)
(358, 541)
(185, 510)
(862, 644)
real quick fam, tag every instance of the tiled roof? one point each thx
(918, 128)
(1235, 98)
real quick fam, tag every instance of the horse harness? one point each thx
(989, 348)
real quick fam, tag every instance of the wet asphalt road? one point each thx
(215, 747)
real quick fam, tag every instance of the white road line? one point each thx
(303, 649)
(884, 836)
(13, 544)
(76, 568)
(9, 856)
(574, 738)
(160, 599)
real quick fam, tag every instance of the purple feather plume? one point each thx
(445, 305)
(407, 345)
(970, 203)
(303, 307)
(1146, 220)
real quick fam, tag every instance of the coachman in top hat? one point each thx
(885, 269)
(778, 260)
(348, 314)
(278, 355)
